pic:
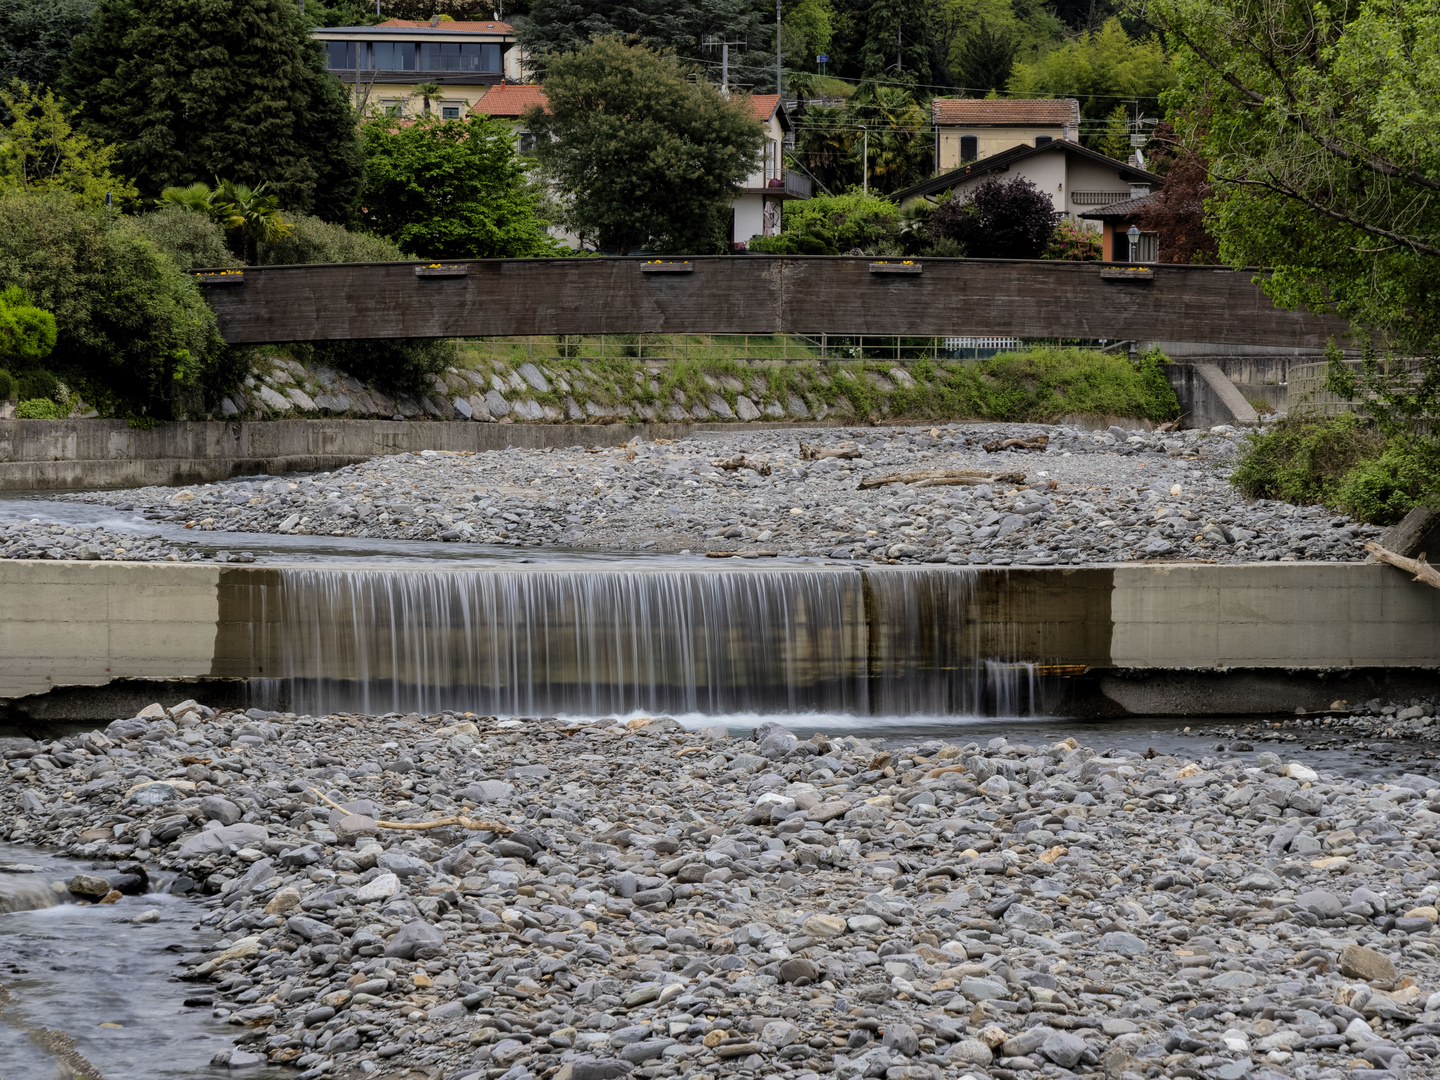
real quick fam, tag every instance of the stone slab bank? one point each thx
(1158, 639)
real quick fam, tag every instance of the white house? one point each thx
(1076, 179)
(758, 209)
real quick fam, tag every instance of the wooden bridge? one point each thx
(756, 294)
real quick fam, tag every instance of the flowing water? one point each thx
(605, 641)
(87, 973)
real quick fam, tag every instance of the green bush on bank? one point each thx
(1342, 462)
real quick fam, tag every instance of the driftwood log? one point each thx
(1039, 442)
(943, 478)
(456, 820)
(740, 461)
(815, 453)
(1422, 570)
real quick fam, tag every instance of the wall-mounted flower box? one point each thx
(436, 270)
(1127, 273)
(221, 277)
(658, 267)
(906, 267)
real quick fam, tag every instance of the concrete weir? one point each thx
(90, 640)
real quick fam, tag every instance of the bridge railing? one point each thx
(757, 348)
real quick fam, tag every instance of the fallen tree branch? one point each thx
(1039, 442)
(734, 464)
(1422, 570)
(940, 477)
(815, 453)
(420, 826)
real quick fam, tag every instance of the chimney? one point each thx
(434, 20)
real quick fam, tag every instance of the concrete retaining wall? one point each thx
(1177, 638)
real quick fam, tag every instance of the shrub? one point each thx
(7, 386)
(38, 409)
(789, 244)
(841, 223)
(1073, 243)
(27, 333)
(998, 219)
(190, 240)
(131, 324)
(1303, 460)
(1383, 491)
(311, 240)
(40, 384)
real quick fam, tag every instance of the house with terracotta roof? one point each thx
(758, 210)
(972, 129)
(509, 101)
(1115, 220)
(1077, 179)
(383, 64)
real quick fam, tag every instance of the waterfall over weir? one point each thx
(607, 641)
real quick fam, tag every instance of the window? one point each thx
(1043, 140)
(526, 141)
(449, 112)
(440, 56)
(969, 147)
(393, 55)
(490, 58)
(342, 54)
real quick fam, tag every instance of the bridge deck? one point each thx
(756, 295)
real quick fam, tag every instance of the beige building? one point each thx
(383, 64)
(972, 129)
(1076, 179)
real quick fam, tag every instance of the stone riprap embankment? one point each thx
(1086, 497)
(639, 900)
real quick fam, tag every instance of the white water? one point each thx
(611, 641)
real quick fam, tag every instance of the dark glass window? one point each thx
(490, 58)
(1043, 140)
(469, 57)
(440, 56)
(969, 147)
(342, 54)
(450, 112)
(393, 55)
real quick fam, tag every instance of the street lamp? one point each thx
(865, 160)
(1134, 235)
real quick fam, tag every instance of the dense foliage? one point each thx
(132, 327)
(998, 219)
(35, 38)
(1341, 462)
(194, 89)
(834, 225)
(450, 189)
(1073, 243)
(1318, 125)
(831, 143)
(1100, 68)
(27, 333)
(40, 150)
(644, 157)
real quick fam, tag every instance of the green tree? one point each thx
(41, 151)
(684, 27)
(191, 89)
(1318, 127)
(836, 225)
(1114, 140)
(984, 59)
(900, 140)
(899, 39)
(643, 156)
(425, 91)
(132, 327)
(806, 31)
(1101, 68)
(248, 215)
(451, 189)
(35, 38)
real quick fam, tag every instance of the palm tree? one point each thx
(197, 197)
(251, 213)
(425, 91)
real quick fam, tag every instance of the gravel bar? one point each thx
(1087, 497)
(639, 900)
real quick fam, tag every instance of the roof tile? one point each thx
(1004, 111)
(510, 99)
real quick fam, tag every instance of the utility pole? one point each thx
(725, 69)
(865, 161)
(779, 81)
(898, 65)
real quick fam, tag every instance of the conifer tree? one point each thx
(898, 42)
(195, 89)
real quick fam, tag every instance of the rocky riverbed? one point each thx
(587, 901)
(1082, 497)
